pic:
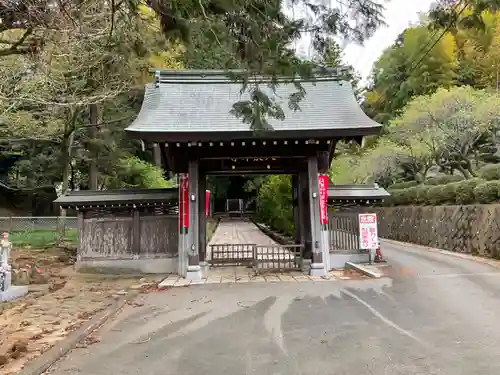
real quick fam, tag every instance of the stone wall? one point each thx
(471, 229)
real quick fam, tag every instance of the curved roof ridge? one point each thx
(231, 75)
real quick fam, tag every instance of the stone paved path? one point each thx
(240, 275)
(239, 231)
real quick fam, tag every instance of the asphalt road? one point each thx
(435, 314)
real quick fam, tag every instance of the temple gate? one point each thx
(187, 115)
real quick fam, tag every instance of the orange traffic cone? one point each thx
(378, 256)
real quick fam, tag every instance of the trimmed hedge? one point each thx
(464, 191)
(470, 191)
(404, 185)
(490, 172)
(443, 180)
(487, 192)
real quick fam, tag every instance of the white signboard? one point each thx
(368, 233)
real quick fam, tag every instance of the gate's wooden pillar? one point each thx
(202, 222)
(296, 213)
(305, 228)
(193, 267)
(317, 265)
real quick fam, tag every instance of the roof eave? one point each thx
(161, 136)
(115, 198)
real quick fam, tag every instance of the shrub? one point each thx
(487, 192)
(464, 190)
(411, 194)
(420, 194)
(443, 180)
(490, 172)
(434, 195)
(132, 172)
(274, 203)
(403, 185)
(448, 192)
(394, 199)
(400, 197)
(441, 194)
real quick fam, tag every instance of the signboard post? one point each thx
(368, 233)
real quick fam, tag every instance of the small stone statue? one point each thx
(8, 291)
(5, 269)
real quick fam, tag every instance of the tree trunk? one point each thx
(464, 171)
(469, 168)
(66, 148)
(94, 153)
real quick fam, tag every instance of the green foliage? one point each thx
(440, 194)
(434, 195)
(420, 193)
(395, 80)
(448, 192)
(401, 197)
(464, 190)
(379, 163)
(440, 114)
(274, 203)
(41, 239)
(403, 185)
(67, 119)
(461, 192)
(133, 172)
(441, 180)
(487, 192)
(453, 130)
(490, 172)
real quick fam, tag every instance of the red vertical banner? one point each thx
(180, 180)
(207, 202)
(323, 198)
(184, 201)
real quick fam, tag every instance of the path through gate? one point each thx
(238, 242)
(260, 257)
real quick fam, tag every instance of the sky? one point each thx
(399, 14)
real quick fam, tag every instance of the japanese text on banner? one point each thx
(184, 201)
(323, 197)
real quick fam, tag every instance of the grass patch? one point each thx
(212, 225)
(41, 238)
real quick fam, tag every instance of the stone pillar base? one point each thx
(14, 292)
(325, 245)
(204, 267)
(194, 273)
(317, 269)
(7, 278)
(306, 266)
